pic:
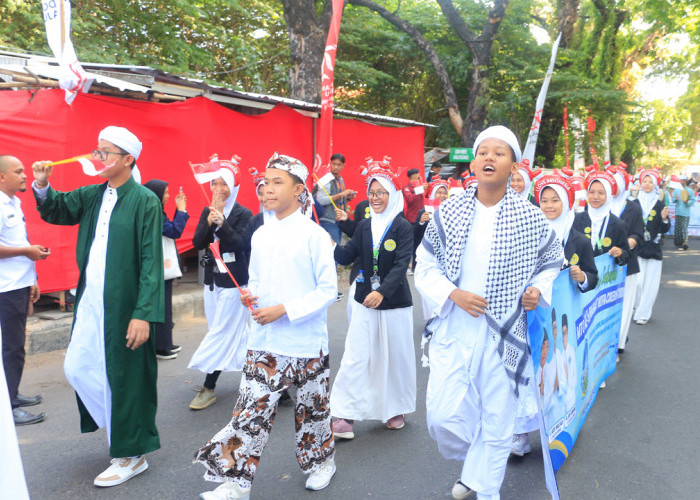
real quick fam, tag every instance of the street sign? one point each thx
(461, 154)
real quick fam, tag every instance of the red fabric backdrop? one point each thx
(45, 128)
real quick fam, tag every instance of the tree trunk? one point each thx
(481, 49)
(552, 117)
(307, 42)
(429, 51)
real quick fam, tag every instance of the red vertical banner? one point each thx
(566, 133)
(591, 130)
(324, 148)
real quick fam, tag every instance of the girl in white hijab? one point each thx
(377, 375)
(656, 223)
(224, 223)
(521, 181)
(606, 232)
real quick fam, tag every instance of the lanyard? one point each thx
(375, 249)
(603, 230)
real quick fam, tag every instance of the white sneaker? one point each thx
(227, 491)
(641, 321)
(602, 384)
(521, 445)
(122, 469)
(322, 477)
(461, 491)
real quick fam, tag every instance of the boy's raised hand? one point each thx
(247, 298)
(531, 298)
(470, 302)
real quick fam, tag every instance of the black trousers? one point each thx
(13, 321)
(164, 331)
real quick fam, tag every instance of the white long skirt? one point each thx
(647, 287)
(627, 308)
(11, 470)
(377, 375)
(226, 343)
(352, 303)
(85, 364)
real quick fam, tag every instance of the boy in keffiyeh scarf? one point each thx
(487, 257)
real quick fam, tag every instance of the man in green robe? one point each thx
(111, 359)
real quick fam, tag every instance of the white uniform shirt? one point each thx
(570, 355)
(292, 264)
(15, 272)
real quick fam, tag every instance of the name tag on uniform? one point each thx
(228, 257)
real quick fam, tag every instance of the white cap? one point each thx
(502, 133)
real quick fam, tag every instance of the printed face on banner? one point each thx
(574, 346)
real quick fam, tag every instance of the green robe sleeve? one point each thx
(65, 208)
(151, 299)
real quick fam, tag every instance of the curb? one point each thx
(53, 335)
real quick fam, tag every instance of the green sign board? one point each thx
(461, 154)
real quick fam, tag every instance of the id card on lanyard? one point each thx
(374, 280)
(601, 235)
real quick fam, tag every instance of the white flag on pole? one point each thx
(57, 20)
(529, 149)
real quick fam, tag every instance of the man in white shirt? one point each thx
(17, 284)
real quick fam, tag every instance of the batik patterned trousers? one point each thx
(234, 452)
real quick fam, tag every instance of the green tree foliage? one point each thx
(612, 46)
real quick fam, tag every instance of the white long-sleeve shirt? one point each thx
(292, 264)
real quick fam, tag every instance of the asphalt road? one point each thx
(640, 439)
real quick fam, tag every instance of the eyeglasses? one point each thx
(377, 194)
(103, 155)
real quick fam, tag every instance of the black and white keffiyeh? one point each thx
(523, 246)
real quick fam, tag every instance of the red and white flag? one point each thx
(324, 150)
(206, 172)
(93, 167)
(57, 20)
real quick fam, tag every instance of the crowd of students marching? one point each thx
(472, 298)
(481, 253)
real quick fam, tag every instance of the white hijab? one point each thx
(528, 183)
(380, 222)
(648, 200)
(562, 224)
(599, 214)
(618, 202)
(227, 175)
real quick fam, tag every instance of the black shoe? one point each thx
(176, 348)
(166, 354)
(286, 399)
(685, 246)
(340, 296)
(28, 400)
(23, 417)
